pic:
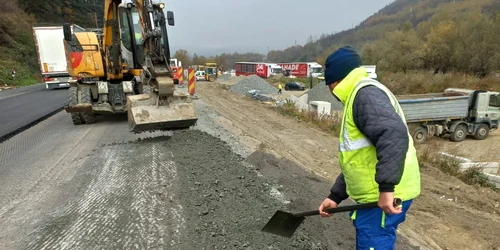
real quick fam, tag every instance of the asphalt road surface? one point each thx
(97, 186)
(21, 107)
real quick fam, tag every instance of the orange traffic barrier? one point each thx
(180, 75)
(191, 81)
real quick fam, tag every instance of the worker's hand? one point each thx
(327, 203)
(386, 203)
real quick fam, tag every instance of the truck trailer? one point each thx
(261, 69)
(49, 41)
(457, 112)
(302, 69)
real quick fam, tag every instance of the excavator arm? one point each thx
(162, 108)
(156, 65)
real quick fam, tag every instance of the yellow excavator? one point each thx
(127, 70)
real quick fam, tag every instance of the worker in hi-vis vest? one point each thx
(377, 157)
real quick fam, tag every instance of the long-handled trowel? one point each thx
(285, 224)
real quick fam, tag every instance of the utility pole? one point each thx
(310, 77)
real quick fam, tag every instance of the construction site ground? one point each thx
(448, 215)
(214, 186)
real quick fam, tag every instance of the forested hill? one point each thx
(80, 12)
(422, 31)
(17, 49)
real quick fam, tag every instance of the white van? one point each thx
(199, 75)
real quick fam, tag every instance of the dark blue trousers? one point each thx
(376, 230)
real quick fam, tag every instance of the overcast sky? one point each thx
(216, 26)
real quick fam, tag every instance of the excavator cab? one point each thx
(129, 71)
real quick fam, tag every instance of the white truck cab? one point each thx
(275, 68)
(372, 71)
(315, 69)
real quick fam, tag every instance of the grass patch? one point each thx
(327, 123)
(428, 156)
(17, 46)
(421, 82)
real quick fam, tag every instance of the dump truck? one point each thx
(455, 112)
(128, 70)
(51, 55)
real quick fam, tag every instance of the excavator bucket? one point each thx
(148, 112)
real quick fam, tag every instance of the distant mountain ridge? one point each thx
(394, 16)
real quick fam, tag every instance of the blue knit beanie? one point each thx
(340, 63)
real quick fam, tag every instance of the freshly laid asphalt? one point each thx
(21, 108)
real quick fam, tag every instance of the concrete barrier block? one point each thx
(321, 108)
(457, 158)
(495, 179)
(488, 167)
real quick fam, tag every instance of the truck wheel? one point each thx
(73, 100)
(482, 132)
(459, 134)
(419, 135)
(88, 117)
(211, 79)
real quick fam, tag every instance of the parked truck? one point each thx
(302, 69)
(49, 41)
(262, 69)
(457, 112)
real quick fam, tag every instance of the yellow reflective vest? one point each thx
(358, 157)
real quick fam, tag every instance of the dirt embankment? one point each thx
(467, 221)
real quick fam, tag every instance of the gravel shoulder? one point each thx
(285, 138)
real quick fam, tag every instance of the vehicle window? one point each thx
(137, 26)
(317, 70)
(125, 31)
(495, 101)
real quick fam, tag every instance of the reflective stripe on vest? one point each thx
(348, 145)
